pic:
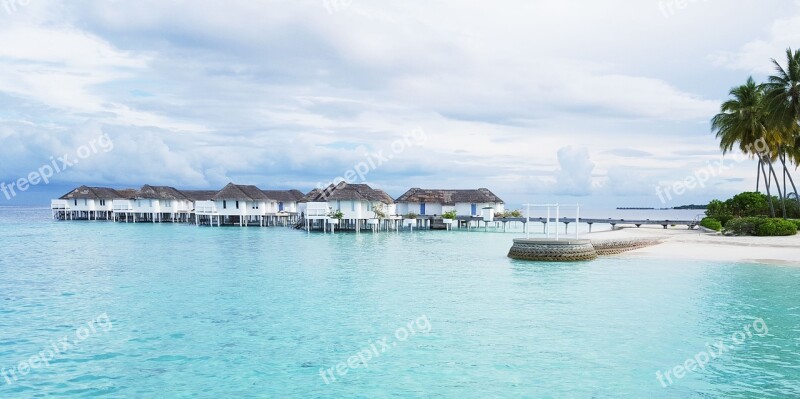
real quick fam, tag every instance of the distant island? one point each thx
(693, 207)
(682, 207)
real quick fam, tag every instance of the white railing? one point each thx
(317, 210)
(59, 204)
(176, 207)
(123, 206)
(205, 208)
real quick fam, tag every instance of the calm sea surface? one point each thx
(97, 309)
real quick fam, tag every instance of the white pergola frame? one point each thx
(558, 216)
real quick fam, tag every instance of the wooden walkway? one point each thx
(691, 224)
(427, 222)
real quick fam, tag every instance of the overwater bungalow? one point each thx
(288, 210)
(436, 202)
(343, 206)
(240, 204)
(154, 204)
(359, 204)
(85, 203)
(203, 208)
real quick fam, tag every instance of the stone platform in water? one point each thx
(550, 250)
(566, 250)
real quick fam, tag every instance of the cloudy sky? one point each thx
(595, 102)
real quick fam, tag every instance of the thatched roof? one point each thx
(297, 194)
(127, 193)
(311, 196)
(229, 192)
(348, 192)
(160, 192)
(284, 195)
(384, 196)
(96, 193)
(240, 192)
(200, 195)
(449, 197)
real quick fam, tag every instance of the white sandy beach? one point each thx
(682, 243)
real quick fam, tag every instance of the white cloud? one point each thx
(754, 56)
(574, 176)
(528, 98)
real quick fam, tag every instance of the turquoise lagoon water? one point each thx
(179, 311)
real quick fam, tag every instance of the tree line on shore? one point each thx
(747, 214)
(763, 121)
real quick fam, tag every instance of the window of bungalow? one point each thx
(353, 206)
(149, 203)
(237, 204)
(85, 202)
(102, 202)
(76, 202)
(224, 204)
(167, 204)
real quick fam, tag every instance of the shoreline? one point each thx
(684, 244)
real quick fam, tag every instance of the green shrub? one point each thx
(717, 209)
(378, 209)
(792, 208)
(776, 227)
(764, 227)
(724, 219)
(748, 204)
(337, 214)
(449, 215)
(796, 223)
(743, 226)
(508, 214)
(711, 223)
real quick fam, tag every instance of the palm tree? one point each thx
(782, 99)
(743, 122)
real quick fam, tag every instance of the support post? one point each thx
(558, 213)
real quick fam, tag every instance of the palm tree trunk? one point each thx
(769, 180)
(791, 180)
(758, 175)
(794, 188)
(769, 195)
(778, 186)
(785, 172)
